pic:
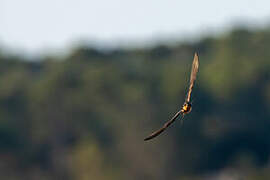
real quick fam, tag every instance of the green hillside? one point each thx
(85, 116)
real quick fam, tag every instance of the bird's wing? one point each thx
(194, 70)
(167, 124)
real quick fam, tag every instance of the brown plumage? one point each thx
(167, 124)
(194, 70)
(186, 108)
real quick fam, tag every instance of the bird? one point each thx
(187, 106)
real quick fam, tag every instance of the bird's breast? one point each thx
(186, 108)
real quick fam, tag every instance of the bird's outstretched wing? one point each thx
(167, 124)
(194, 70)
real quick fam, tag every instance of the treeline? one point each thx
(84, 116)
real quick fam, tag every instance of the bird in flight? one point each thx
(186, 108)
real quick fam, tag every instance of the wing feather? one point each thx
(167, 124)
(194, 70)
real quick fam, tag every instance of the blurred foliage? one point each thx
(85, 116)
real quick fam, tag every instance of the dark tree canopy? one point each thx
(85, 116)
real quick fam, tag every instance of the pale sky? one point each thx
(35, 25)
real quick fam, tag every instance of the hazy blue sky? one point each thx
(33, 25)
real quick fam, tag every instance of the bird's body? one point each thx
(186, 108)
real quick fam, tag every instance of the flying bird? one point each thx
(186, 108)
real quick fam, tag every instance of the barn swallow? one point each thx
(186, 108)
